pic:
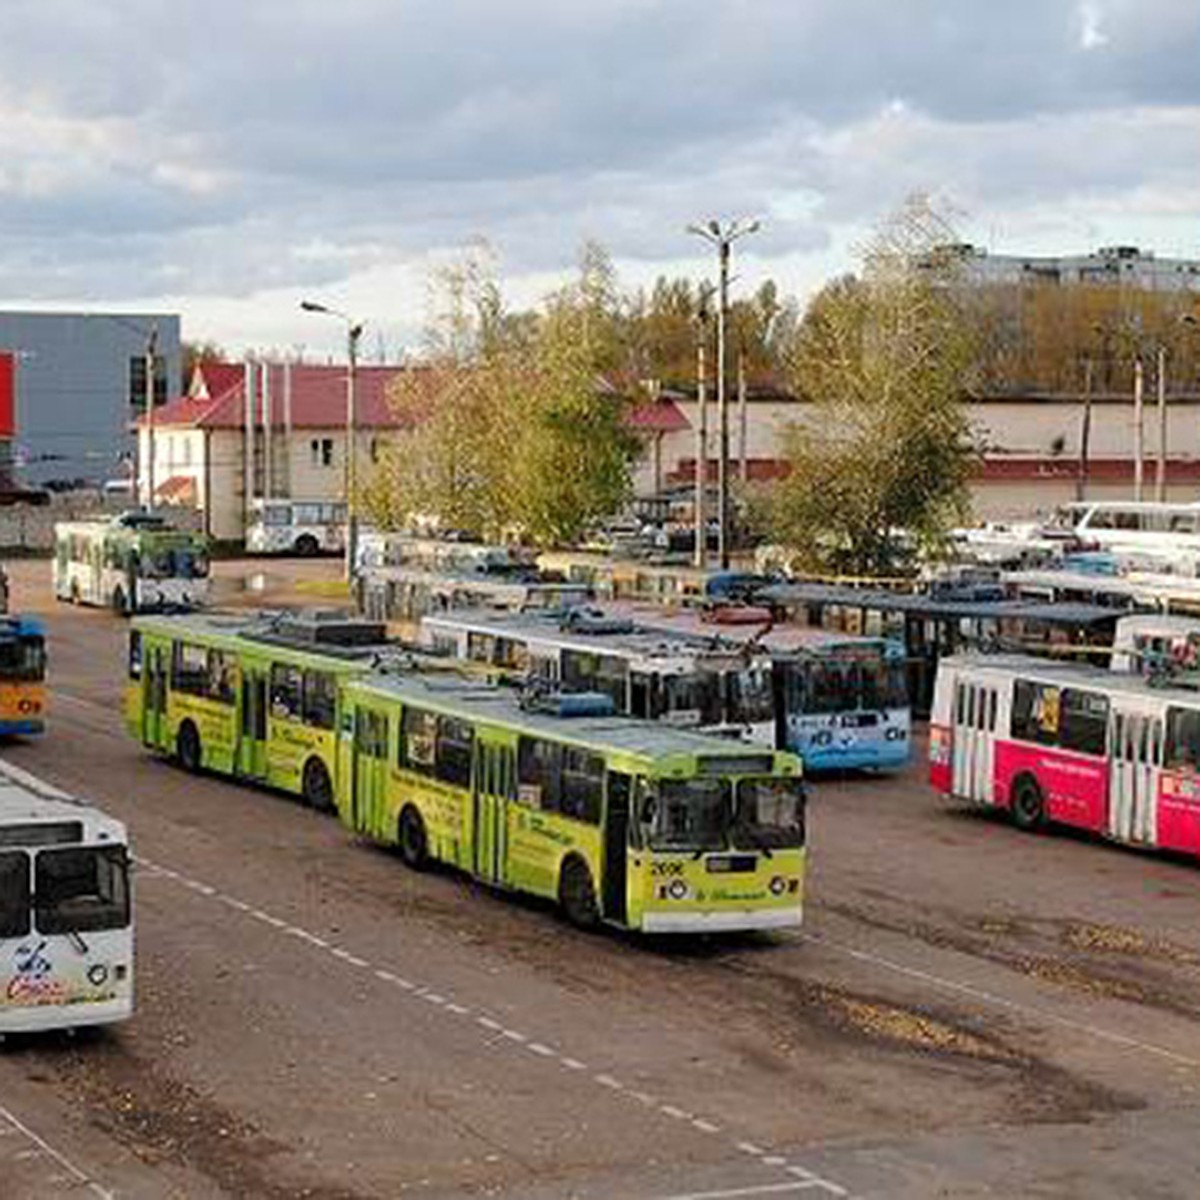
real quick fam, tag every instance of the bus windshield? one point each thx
(844, 684)
(23, 658)
(82, 889)
(750, 699)
(694, 697)
(165, 562)
(14, 893)
(770, 813)
(687, 814)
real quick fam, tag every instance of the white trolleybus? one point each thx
(1070, 744)
(132, 563)
(66, 919)
(303, 527)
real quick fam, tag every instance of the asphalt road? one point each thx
(970, 1012)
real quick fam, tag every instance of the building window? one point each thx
(137, 381)
(321, 452)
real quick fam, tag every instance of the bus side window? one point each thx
(319, 699)
(1182, 751)
(453, 754)
(1084, 721)
(189, 669)
(287, 692)
(418, 741)
(539, 774)
(582, 785)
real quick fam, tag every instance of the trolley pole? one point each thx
(151, 453)
(1139, 387)
(1160, 472)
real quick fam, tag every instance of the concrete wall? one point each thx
(73, 387)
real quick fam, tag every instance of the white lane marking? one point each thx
(77, 1174)
(805, 1180)
(997, 1001)
(762, 1189)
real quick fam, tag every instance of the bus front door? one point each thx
(154, 699)
(495, 773)
(252, 742)
(616, 843)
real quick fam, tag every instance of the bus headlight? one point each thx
(677, 889)
(822, 738)
(895, 735)
(97, 975)
(778, 885)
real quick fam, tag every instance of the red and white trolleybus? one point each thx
(1070, 744)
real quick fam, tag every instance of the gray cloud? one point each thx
(223, 148)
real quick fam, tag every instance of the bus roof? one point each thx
(1070, 674)
(26, 800)
(910, 604)
(322, 633)
(497, 705)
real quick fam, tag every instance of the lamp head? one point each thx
(313, 306)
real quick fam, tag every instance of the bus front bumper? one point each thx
(725, 921)
(40, 1017)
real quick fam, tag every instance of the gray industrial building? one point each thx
(80, 381)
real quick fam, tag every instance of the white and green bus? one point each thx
(617, 820)
(132, 563)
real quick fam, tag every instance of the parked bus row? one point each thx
(644, 826)
(837, 701)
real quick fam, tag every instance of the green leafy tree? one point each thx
(883, 461)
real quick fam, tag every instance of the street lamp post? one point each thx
(722, 237)
(354, 331)
(151, 348)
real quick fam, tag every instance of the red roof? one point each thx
(658, 416)
(315, 396)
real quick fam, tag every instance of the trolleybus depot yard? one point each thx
(894, 996)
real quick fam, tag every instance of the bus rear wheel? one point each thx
(1028, 807)
(306, 545)
(187, 747)
(577, 895)
(412, 840)
(317, 786)
(118, 601)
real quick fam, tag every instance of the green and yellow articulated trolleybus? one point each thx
(255, 695)
(618, 820)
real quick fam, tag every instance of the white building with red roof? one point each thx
(222, 445)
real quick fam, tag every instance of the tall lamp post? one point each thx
(354, 331)
(722, 237)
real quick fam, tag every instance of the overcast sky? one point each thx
(225, 158)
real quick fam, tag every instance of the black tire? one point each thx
(1028, 805)
(317, 786)
(306, 545)
(412, 839)
(75, 599)
(118, 601)
(188, 749)
(577, 895)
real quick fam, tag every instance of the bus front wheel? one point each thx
(187, 747)
(118, 601)
(1028, 807)
(414, 845)
(317, 786)
(577, 895)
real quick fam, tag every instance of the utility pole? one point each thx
(151, 348)
(743, 461)
(722, 238)
(1085, 432)
(1160, 473)
(700, 549)
(1139, 385)
(354, 332)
